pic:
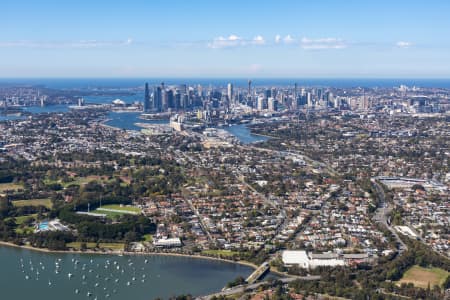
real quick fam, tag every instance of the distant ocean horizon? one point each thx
(127, 83)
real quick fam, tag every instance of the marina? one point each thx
(80, 276)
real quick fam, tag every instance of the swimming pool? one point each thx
(43, 226)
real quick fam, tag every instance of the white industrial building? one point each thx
(311, 261)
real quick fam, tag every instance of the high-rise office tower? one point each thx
(272, 104)
(183, 88)
(337, 103)
(146, 98)
(230, 92)
(164, 102)
(295, 100)
(260, 103)
(309, 99)
(170, 99)
(273, 92)
(165, 99)
(185, 101)
(177, 98)
(320, 94)
(364, 104)
(330, 98)
(157, 99)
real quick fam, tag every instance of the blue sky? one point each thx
(225, 38)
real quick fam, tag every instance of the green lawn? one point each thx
(25, 230)
(112, 246)
(33, 202)
(22, 228)
(148, 238)
(114, 210)
(225, 253)
(122, 208)
(420, 277)
(21, 219)
(109, 214)
(9, 187)
(82, 181)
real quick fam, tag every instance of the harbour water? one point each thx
(243, 134)
(27, 274)
(127, 120)
(59, 108)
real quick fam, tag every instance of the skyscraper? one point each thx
(272, 104)
(260, 103)
(146, 98)
(157, 99)
(170, 99)
(230, 92)
(295, 100)
(309, 102)
(165, 100)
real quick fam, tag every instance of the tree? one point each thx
(237, 281)
(418, 187)
(83, 246)
(5, 206)
(447, 283)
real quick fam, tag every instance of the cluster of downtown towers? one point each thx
(180, 97)
(162, 98)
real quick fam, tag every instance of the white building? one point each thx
(299, 258)
(167, 242)
(310, 261)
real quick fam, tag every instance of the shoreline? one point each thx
(264, 135)
(103, 124)
(153, 119)
(260, 134)
(117, 253)
(267, 137)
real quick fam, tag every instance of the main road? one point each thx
(383, 210)
(248, 287)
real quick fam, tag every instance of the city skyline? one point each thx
(232, 39)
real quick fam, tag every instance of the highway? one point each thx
(383, 211)
(247, 287)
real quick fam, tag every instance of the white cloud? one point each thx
(288, 39)
(233, 41)
(258, 40)
(322, 43)
(82, 44)
(234, 38)
(230, 41)
(403, 44)
(277, 39)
